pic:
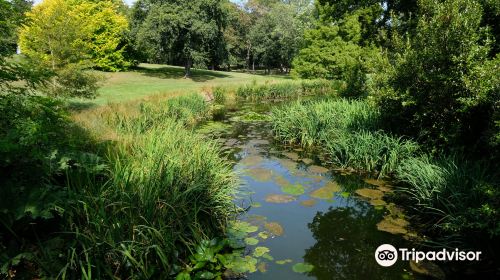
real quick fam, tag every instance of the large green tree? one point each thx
(444, 85)
(181, 32)
(60, 32)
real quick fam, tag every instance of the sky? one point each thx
(130, 2)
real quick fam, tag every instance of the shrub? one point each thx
(288, 89)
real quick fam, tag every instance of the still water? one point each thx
(312, 222)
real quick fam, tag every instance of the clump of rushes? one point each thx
(348, 132)
(455, 195)
(304, 123)
(288, 89)
(220, 94)
(374, 152)
(163, 193)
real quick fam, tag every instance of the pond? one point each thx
(308, 222)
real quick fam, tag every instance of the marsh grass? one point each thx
(347, 131)
(160, 191)
(304, 123)
(374, 152)
(454, 194)
(286, 89)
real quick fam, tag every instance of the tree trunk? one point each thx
(187, 68)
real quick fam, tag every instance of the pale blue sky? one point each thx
(130, 2)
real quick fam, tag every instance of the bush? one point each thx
(72, 81)
(281, 90)
(440, 91)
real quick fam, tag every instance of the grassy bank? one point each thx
(454, 198)
(151, 79)
(133, 195)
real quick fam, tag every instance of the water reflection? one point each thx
(346, 242)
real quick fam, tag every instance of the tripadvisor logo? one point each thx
(387, 255)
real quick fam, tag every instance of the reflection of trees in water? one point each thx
(346, 239)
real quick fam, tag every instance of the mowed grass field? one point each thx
(153, 79)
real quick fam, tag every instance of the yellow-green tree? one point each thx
(62, 32)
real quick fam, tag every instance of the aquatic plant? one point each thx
(455, 195)
(305, 122)
(370, 151)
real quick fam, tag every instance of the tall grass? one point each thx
(347, 131)
(138, 210)
(305, 122)
(288, 89)
(454, 194)
(374, 152)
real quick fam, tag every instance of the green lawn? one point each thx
(150, 79)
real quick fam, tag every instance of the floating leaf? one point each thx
(262, 267)
(296, 189)
(302, 267)
(274, 228)
(268, 257)
(317, 169)
(326, 192)
(393, 225)
(240, 264)
(263, 235)
(256, 205)
(279, 198)
(370, 193)
(281, 262)
(308, 203)
(292, 156)
(251, 241)
(252, 160)
(281, 181)
(260, 174)
(260, 251)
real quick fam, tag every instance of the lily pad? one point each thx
(264, 235)
(308, 202)
(260, 174)
(280, 198)
(281, 181)
(393, 225)
(260, 251)
(262, 267)
(286, 163)
(296, 189)
(377, 202)
(252, 160)
(345, 194)
(240, 264)
(281, 262)
(302, 267)
(274, 228)
(317, 169)
(292, 156)
(326, 192)
(370, 193)
(256, 205)
(251, 241)
(268, 257)
(307, 160)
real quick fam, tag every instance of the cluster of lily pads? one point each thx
(237, 254)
